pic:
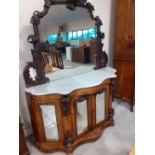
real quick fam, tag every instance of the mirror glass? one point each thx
(50, 123)
(100, 106)
(70, 41)
(81, 117)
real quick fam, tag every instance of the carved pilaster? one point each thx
(111, 114)
(65, 106)
(112, 82)
(68, 139)
(111, 111)
(101, 56)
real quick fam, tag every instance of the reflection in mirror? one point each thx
(32, 73)
(81, 114)
(100, 107)
(50, 123)
(70, 39)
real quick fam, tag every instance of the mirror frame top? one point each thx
(101, 57)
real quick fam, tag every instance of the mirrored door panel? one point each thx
(100, 106)
(50, 122)
(81, 117)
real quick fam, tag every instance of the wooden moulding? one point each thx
(65, 106)
(100, 57)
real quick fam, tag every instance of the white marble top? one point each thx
(69, 84)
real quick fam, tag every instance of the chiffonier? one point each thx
(68, 105)
(78, 108)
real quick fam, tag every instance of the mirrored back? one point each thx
(66, 36)
(69, 38)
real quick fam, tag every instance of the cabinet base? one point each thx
(50, 146)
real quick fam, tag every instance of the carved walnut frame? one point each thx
(101, 57)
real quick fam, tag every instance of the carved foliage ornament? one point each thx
(65, 106)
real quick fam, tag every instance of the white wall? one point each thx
(112, 33)
(102, 8)
(25, 28)
(105, 10)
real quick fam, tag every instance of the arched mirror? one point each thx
(67, 40)
(70, 38)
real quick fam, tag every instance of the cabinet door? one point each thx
(89, 109)
(128, 80)
(47, 118)
(125, 25)
(101, 100)
(124, 83)
(82, 115)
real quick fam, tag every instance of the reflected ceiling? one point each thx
(59, 15)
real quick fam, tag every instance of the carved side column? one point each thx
(67, 122)
(101, 57)
(111, 110)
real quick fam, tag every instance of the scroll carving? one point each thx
(100, 92)
(26, 73)
(101, 56)
(82, 98)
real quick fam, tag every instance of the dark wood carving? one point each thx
(68, 139)
(65, 107)
(111, 114)
(82, 98)
(112, 83)
(101, 57)
(100, 92)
